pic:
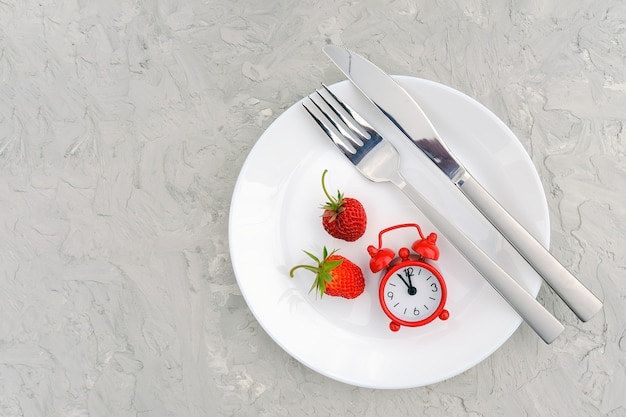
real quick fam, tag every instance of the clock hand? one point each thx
(403, 280)
(409, 274)
(412, 289)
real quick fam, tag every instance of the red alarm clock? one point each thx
(412, 291)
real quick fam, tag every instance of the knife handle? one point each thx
(531, 311)
(579, 299)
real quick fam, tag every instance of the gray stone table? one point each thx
(124, 125)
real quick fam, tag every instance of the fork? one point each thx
(379, 161)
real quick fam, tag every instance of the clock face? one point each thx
(414, 293)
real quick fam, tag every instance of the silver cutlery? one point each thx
(378, 160)
(406, 114)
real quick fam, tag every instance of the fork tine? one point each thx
(353, 119)
(343, 125)
(329, 128)
(363, 136)
(351, 137)
(348, 126)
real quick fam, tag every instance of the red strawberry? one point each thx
(343, 217)
(335, 275)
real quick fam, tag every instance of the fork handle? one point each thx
(531, 311)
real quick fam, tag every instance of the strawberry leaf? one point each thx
(330, 265)
(314, 257)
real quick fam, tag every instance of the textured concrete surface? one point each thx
(123, 126)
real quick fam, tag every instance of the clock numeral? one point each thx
(416, 312)
(390, 295)
(434, 287)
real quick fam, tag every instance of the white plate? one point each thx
(275, 215)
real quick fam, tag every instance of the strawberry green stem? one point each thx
(324, 187)
(307, 267)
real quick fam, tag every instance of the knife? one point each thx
(406, 114)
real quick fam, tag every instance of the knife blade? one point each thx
(397, 105)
